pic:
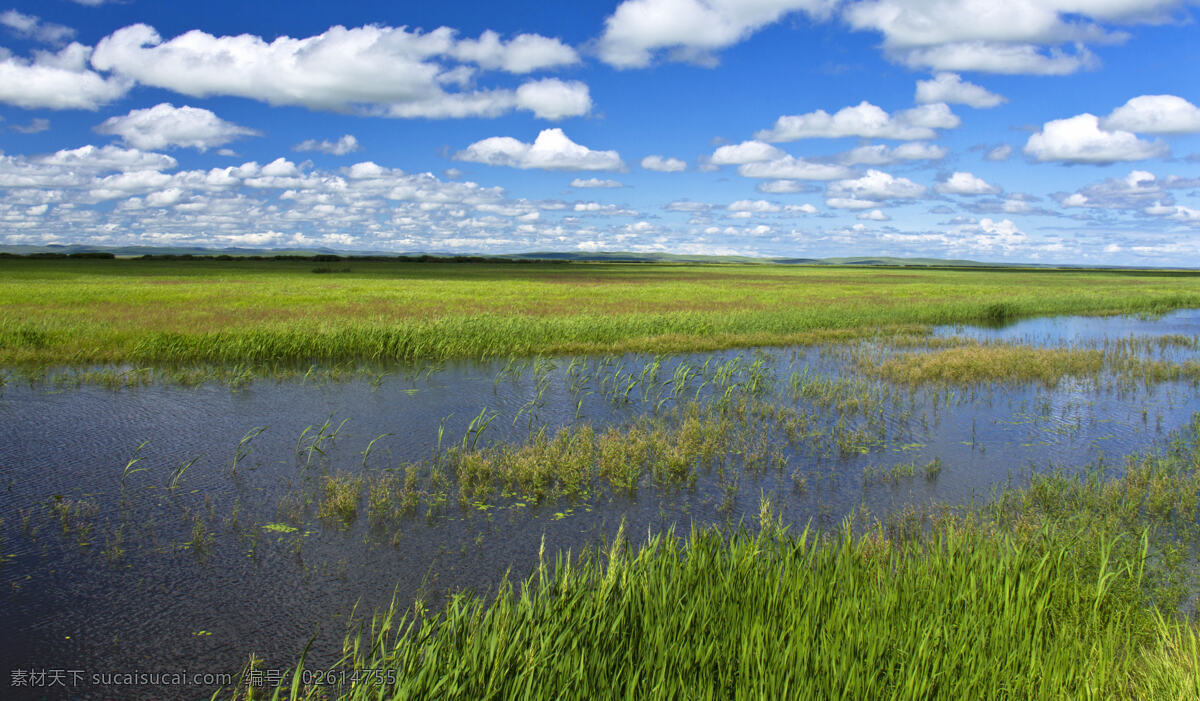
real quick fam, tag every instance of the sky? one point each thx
(1048, 131)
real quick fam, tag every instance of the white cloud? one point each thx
(687, 206)
(34, 28)
(344, 145)
(378, 69)
(524, 53)
(951, 88)
(1155, 114)
(755, 207)
(107, 158)
(1006, 37)
(962, 183)
(863, 120)
(989, 234)
(850, 203)
(663, 165)
(874, 215)
(879, 154)
(1135, 191)
(999, 153)
(166, 125)
(552, 150)
(905, 23)
(792, 168)
(553, 99)
(784, 187)
(691, 29)
(35, 126)
(57, 81)
(594, 182)
(988, 57)
(876, 185)
(745, 152)
(1177, 213)
(1080, 139)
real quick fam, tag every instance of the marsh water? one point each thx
(158, 528)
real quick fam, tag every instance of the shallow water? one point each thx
(70, 602)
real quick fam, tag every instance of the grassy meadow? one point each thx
(86, 312)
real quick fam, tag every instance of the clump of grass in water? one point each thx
(339, 498)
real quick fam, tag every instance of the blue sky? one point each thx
(1027, 130)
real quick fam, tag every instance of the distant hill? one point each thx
(564, 256)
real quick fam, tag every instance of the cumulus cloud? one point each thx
(692, 30)
(594, 182)
(792, 168)
(850, 203)
(34, 28)
(382, 70)
(1137, 190)
(166, 125)
(344, 145)
(1020, 36)
(784, 187)
(1178, 213)
(864, 120)
(57, 81)
(951, 88)
(552, 150)
(989, 234)
(984, 57)
(875, 185)
(107, 158)
(553, 99)
(745, 152)
(1155, 114)
(755, 207)
(879, 154)
(116, 196)
(524, 53)
(663, 165)
(1080, 139)
(874, 215)
(962, 183)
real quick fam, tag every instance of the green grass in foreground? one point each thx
(82, 312)
(1066, 589)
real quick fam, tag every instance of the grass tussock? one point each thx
(340, 495)
(974, 363)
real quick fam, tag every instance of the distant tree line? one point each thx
(318, 258)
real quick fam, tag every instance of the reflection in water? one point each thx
(205, 545)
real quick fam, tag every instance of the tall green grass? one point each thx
(86, 312)
(962, 613)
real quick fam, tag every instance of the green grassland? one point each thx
(83, 312)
